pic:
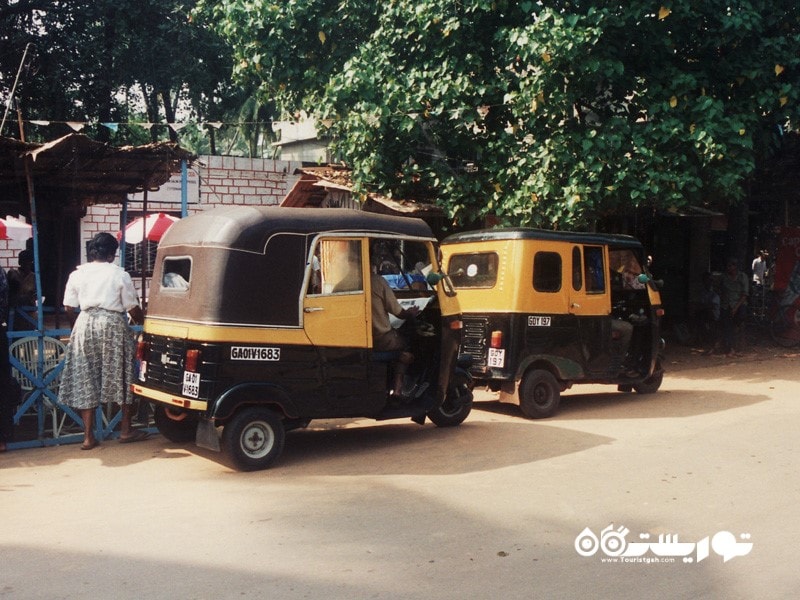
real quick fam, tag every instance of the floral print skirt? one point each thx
(100, 359)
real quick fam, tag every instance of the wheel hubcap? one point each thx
(257, 440)
(540, 395)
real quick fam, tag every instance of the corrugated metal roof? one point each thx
(312, 187)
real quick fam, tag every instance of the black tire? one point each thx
(253, 439)
(652, 383)
(784, 328)
(539, 394)
(176, 426)
(458, 403)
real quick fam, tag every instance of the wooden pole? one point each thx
(145, 249)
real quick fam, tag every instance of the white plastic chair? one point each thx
(26, 352)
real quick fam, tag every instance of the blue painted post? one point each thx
(184, 189)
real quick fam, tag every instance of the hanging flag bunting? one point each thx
(176, 127)
(215, 124)
(112, 126)
(40, 122)
(76, 125)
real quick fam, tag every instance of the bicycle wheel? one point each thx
(785, 327)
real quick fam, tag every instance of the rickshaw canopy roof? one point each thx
(529, 233)
(249, 227)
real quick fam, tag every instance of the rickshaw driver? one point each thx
(386, 338)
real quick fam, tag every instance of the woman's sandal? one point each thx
(90, 445)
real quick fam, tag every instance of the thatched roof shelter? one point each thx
(78, 170)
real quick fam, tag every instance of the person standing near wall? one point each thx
(733, 303)
(22, 281)
(759, 268)
(99, 363)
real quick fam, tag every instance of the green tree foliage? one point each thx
(106, 61)
(553, 114)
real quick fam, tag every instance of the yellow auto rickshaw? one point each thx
(259, 320)
(543, 310)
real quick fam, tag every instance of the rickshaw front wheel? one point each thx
(651, 384)
(458, 403)
(539, 394)
(253, 439)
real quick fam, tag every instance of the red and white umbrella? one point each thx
(14, 229)
(155, 225)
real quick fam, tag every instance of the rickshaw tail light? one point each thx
(141, 350)
(497, 339)
(659, 312)
(192, 357)
(457, 324)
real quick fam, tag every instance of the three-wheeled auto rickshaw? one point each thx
(543, 310)
(259, 320)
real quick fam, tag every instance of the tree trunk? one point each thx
(169, 112)
(738, 232)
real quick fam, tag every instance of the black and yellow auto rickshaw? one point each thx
(543, 310)
(259, 320)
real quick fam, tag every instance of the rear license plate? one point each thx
(497, 357)
(191, 384)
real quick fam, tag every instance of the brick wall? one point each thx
(223, 180)
(9, 249)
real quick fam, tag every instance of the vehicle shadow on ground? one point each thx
(673, 403)
(358, 448)
(406, 448)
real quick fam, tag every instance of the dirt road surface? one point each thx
(491, 509)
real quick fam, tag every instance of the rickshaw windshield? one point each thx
(626, 268)
(404, 264)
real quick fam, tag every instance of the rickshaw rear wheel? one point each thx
(539, 394)
(457, 404)
(176, 426)
(253, 439)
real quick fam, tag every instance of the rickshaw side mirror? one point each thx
(433, 278)
(447, 285)
(644, 278)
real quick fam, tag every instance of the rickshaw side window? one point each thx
(478, 270)
(577, 271)
(547, 272)
(177, 273)
(594, 269)
(339, 267)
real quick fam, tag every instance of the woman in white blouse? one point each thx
(99, 364)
